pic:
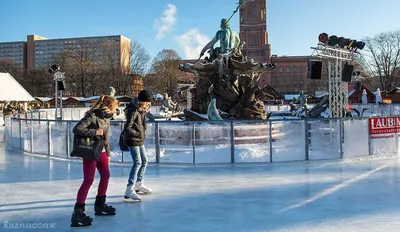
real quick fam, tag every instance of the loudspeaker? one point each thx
(314, 69)
(347, 72)
(61, 85)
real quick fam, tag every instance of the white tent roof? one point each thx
(11, 90)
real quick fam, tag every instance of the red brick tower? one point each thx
(253, 30)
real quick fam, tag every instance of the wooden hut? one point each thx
(393, 96)
(355, 96)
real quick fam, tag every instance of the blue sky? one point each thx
(186, 25)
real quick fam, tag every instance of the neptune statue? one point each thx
(227, 81)
(229, 41)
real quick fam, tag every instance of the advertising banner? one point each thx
(385, 127)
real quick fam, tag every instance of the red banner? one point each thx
(384, 125)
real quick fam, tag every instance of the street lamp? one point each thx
(59, 82)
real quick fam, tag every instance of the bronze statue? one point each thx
(226, 79)
(229, 40)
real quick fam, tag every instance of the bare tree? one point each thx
(81, 67)
(139, 59)
(165, 72)
(39, 82)
(382, 58)
(35, 84)
(109, 69)
(8, 66)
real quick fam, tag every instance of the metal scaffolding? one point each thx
(338, 89)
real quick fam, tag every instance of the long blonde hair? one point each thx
(105, 102)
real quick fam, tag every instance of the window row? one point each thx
(17, 49)
(4, 56)
(11, 45)
(72, 42)
(11, 54)
(289, 69)
(287, 79)
(288, 86)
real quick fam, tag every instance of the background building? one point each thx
(253, 30)
(14, 53)
(39, 52)
(42, 51)
(290, 75)
(137, 85)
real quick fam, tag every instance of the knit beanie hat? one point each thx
(144, 96)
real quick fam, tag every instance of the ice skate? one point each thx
(131, 195)
(79, 219)
(101, 208)
(141, 188)
(104, 210)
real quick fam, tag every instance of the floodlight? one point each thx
(343, 42)
(352, 44)
(323, 38)
(54, 68)
(333, 40)
(360, 45)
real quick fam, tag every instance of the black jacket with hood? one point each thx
(88, 125)
(135, 126)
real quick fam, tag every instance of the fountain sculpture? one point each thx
(227, 76)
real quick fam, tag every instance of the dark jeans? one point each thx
(139, 159)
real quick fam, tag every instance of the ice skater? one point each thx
(134, 134)
(95, 123)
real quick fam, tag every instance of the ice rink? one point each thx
(362, 195)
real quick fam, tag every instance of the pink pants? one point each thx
(89, 169)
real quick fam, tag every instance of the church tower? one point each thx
(253, 30)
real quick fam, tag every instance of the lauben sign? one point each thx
(385, 125)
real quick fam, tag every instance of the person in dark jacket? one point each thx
(96, 122)
(134, 135)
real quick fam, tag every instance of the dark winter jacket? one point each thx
(88, 125)
(135, 126)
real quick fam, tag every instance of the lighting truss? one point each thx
(338, 89)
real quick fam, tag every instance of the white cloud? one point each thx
(192, 42)
(166, 23)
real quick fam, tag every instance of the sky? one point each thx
(187, 25)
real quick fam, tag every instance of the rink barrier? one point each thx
(212, 141)
(383, 109)
(78, 112)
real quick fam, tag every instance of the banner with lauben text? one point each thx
(384, 127)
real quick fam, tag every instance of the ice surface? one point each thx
(351, 195)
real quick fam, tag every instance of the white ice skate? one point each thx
(141, 188)
(131, 195)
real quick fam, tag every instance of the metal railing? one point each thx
(212, 141)
(78, 112)
(381, 109)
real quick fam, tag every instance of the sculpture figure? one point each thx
(227, 81)
(169, 105)
(111, 91)
(229, 41)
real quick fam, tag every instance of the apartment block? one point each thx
(14, 52)
(40, 52)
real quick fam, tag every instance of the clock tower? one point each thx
(253, 30)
